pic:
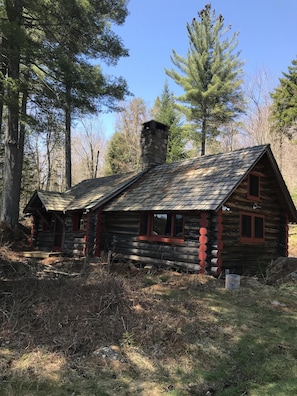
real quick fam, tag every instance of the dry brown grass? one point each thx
(124, 331)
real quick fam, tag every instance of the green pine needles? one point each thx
(210, 75)
(284, 106)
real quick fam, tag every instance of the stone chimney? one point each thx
(153, 142)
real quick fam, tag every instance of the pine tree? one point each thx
(117, 156)
(210, 75)
(284, 106)
(80, 87)
(164, 111)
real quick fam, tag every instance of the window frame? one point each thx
(148, 235)
(249, 195)
(252, 238)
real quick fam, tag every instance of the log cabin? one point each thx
(206, 214)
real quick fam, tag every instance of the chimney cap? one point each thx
(153, 124)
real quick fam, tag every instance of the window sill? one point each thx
(164, 239)
(255, 198)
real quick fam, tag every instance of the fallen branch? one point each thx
(61, 272)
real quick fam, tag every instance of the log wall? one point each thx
(252, 258)
(41, 240)
(77, 243)
(215, 242)
(82, 242)
(120, 235)
(74, 242)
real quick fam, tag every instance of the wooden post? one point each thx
(32, 232)
(87, 236)
(220, 242)
(98, 233)
(203, 243)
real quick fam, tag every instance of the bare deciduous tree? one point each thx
(88, 150)
(257, 126)
(256, 123)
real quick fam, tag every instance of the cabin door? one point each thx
(58, 235)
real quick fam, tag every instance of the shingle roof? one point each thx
(54, 200)
(91, 193)
(88, 194)
(202, 183)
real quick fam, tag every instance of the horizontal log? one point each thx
(168, 263)
(214, 270)
(214, 252)
(214, 261)
(134, 242)
(157, 254)
(125, 231)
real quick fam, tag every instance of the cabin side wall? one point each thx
(74, 241)
(81, 242)
(120, 233)
(253, 258)
(41, 239)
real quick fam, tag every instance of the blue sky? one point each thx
(267, 40)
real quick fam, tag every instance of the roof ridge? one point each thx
(207, 156)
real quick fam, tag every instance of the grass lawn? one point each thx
(136, 333)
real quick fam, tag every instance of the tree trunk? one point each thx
(36, 151)
(3, 70)
(97, 161)
(13, 140)
(2, 125)
(22, 128)
(91, 161)
(49, 162)
(203, 137)
(68, 177)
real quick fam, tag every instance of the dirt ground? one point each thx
(60, 288)
(45, 300)
(92, 319)
(42, 300)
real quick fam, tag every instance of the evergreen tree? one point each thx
(284, 106)
(210, 76)
(80, 87)
(117, 156)
(164, 111)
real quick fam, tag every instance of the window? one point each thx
(254, 186)
(77, 221)
(162, 227)
(251, 228)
